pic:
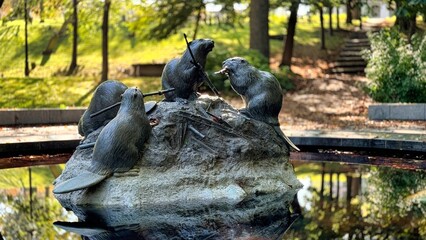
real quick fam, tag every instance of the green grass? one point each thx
(48, 87)
(19, 177)
(59, 92)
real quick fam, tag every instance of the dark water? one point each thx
(338, 201)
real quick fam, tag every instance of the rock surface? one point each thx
(179, 167)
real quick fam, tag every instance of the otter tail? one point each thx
(286, 139)
(81, 228)
(79, 182)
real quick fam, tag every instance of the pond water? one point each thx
(338, 201)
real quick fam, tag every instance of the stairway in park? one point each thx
(350, 59)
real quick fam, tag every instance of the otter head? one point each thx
(132, 98)
(231, 65)
(200, 48)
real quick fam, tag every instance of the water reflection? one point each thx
(338, 201)
(359, 202)
(27, 207)
(259, 217)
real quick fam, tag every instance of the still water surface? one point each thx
(338, 201)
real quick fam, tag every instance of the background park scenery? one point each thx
(53, 54)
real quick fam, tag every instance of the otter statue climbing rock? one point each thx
(260, 91)
(183, 74)
(106, 94)
(119, 145)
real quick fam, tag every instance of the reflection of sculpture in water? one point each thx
(118, 146)
(264, 217)
(260, 91)
(184, 74)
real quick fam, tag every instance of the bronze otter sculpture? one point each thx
(106, 94)
(260, 91)
(183, 74)
(119, 145)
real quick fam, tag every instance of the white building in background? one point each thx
(377, 9)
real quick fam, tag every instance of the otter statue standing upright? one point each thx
(260, 91)
(183, 74)
(119, 145)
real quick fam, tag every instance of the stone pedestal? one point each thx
(192, 162)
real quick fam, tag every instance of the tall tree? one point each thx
(406, 13)
(349, 11)
(73, 64)
(107, 5)
(201, 7)
(320, 7)
(27, 67)
(337, 16)
(41, 11)
(291, 32)
(330, 19)
(259, 27)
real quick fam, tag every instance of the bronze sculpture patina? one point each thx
(260, 91)
(106, 94)
(119, 145)
(186, 73)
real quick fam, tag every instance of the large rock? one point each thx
(229, 166)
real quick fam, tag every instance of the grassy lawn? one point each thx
(48, 87)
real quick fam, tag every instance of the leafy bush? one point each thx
(396, 68)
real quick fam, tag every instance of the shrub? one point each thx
(396, 68)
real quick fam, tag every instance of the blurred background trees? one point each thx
(107, 37)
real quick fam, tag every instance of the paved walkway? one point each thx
(37, 139)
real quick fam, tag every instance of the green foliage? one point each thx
(390, 195)
(23, 220)
(396, 68)
(285, 76)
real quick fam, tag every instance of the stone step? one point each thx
(350, 64)
(356, 45)
(358, 40)
(355, 48)
(350, 53)
(348, 70)
(349, 59)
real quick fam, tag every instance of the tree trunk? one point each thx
(330, 20)
(197, 23)
(348, 12)
(291, 32)
(41, 11)
(73, 64)
(104, 76)
(348, 191)
(322, 29)
(259, 28)
(406, 25)
(27, 67)
(337, 18)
